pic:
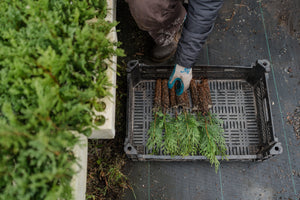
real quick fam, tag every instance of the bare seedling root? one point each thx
(173, 98)
(194, 94)
(204, 97)
(180, 101)
(165, 95)
(166, 98)
(157, 97)
(186, 100)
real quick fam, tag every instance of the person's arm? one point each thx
(197, 26)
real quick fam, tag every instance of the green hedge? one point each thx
(52, 68)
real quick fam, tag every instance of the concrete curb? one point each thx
(79, 180)
(107, 130)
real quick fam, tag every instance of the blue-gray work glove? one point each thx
(183, 75)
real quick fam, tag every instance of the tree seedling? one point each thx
(198, 133)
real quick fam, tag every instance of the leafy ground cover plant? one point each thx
(186, 134)
(52, 68)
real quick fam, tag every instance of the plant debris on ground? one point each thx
(294, 120)
(105, 178)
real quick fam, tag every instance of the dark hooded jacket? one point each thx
(199, 23)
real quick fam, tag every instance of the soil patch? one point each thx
(288, 16)
(294, 120)
(105, 177)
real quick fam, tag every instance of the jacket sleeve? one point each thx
(197, 26)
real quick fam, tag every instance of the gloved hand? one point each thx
(183, 75)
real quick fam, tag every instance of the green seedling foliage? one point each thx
(212, 141)
(170, 145)
(155, 137)
(191, 135)
(53, 56)
(188, 134)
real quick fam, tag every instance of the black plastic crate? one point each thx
(240, 97)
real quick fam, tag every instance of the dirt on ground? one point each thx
(294, 120)
(288, 16)
(105, 177)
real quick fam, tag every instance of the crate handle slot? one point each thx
(276, 149)
(265, 64)
(131, 65)
(129, 149)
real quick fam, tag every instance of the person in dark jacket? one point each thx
(166, 21)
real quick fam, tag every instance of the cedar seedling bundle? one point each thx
(212, 141)
(186, 133)
(155, 132)
(52, 70)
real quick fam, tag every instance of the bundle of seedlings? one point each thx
(155, 140)
(185, 133)
(212, 141)
(168, 135)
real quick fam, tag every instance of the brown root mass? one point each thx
(165, 95)
(180, 101)
(186, 99)
(173, 98)
(204, 97)
(194, 94)
(157, 97)
(200, 94)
